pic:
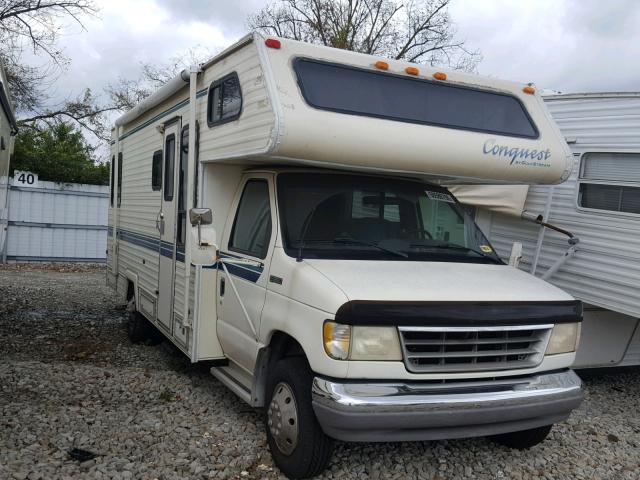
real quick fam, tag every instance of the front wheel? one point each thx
(299, 447)
(523, 439)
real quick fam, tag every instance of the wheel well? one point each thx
(131, 290)
(282, 345)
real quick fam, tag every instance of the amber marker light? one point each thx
(381, 65)
(529, 89)
(440, 76)
(273, 43)
(412, 70)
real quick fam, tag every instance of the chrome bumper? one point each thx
(394, 411)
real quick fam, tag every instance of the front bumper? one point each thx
(394, 411)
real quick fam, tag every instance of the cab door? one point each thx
(166, 224)
(245, 250)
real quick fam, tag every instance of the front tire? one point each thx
(523, 439)
(299, 447)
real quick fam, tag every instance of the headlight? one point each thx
(564, 338)
(343, 342)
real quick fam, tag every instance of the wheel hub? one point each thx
(282, 418)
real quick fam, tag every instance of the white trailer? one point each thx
(8, 129)
(280, 212)
(600, 205)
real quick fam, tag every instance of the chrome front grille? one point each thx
(473, 348)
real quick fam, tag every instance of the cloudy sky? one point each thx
(566, 45)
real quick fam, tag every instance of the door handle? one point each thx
(222, 287)
(160, 222)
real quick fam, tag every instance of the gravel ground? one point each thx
(69, 378)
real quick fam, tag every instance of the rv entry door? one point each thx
(166, 224)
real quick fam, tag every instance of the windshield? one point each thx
(343, 216)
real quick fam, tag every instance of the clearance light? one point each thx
(440, 76)
(529, 89)
(272, 43)
(412, 70)
(381, 65)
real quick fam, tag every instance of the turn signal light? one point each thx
(529, 89)
(381, 65)
(412, 70)
(440, 76)
(273, 43)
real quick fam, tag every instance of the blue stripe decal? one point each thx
(248, 272)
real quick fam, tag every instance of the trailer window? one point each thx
(119, 178)
(225, 100)
(169, 164)
(357, 91)
(610, 181)
(252, 226)
(113, 176)
(156, 170)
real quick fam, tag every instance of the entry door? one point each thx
(250, 242)
(167, 226)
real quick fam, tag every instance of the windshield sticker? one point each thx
(486, 248)
(440, 197)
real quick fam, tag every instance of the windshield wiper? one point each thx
(357, 241)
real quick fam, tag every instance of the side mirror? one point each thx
(204, 250)
(516, 254)
(200, 216)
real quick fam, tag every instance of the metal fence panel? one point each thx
(58, 222)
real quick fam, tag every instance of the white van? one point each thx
(280, 211)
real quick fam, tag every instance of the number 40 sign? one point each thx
(25, 179)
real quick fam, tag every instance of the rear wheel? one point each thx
(299, 447)
(139, 329)
(523, 439)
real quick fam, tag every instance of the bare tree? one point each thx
(415, 30)
(126, 93)
(35, 25)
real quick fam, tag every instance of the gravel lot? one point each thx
(69, 378)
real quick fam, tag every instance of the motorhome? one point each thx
(595, 255)
(8, 130)
(281, 211)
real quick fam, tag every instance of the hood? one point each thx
(435, 281)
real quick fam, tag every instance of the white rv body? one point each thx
(250, 310)
(603, 270)
(8, 130)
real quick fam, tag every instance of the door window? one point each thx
(252, 226)
(169, 162)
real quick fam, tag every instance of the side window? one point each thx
(610, 181)
(119, 178)
(156, 170)
(169, 163)
(113, 176)
(252, 226)
(225, 100)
